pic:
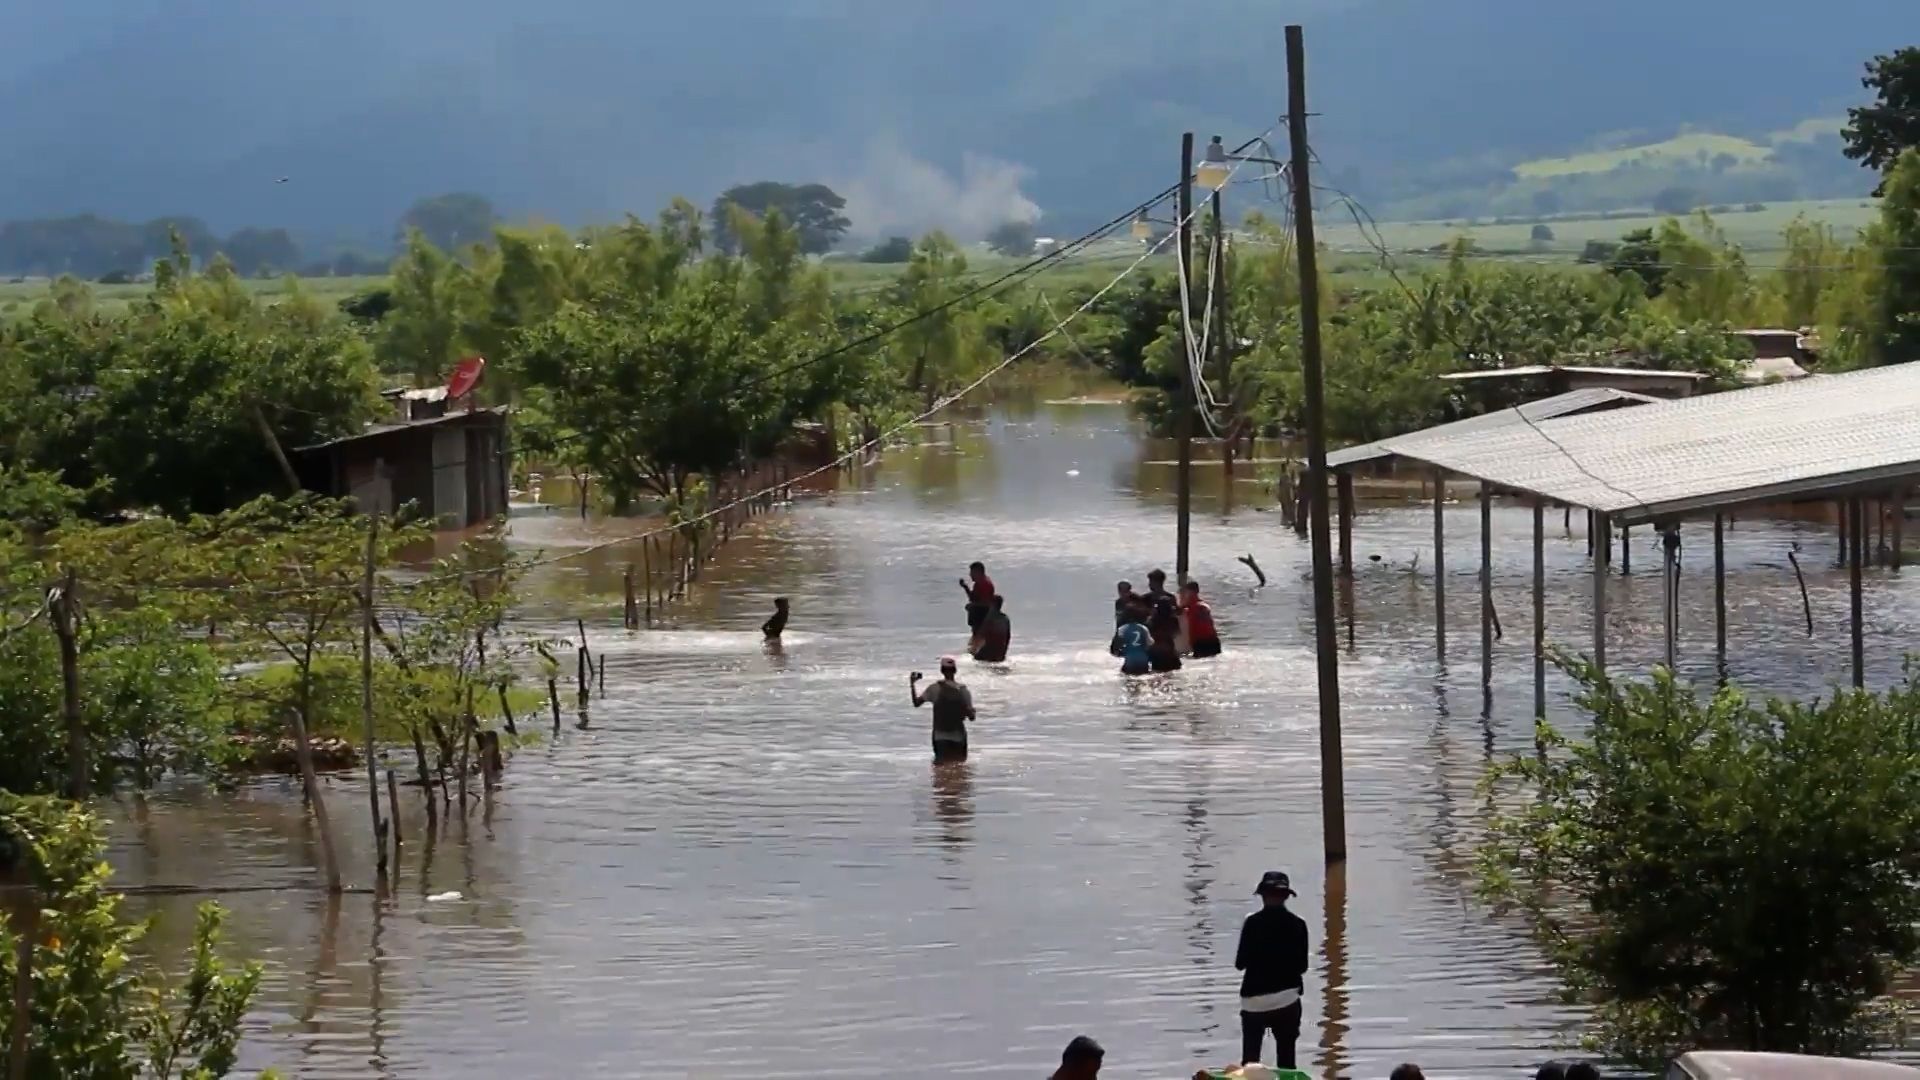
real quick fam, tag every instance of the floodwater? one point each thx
(746, 865)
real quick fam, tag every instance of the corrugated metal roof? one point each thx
(1573, 369)
(1567, 404)
(376, 429)
(1782, 440)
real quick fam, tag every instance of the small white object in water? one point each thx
(442, 897)
(1073, 472)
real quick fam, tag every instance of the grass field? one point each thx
(1756, 231)
(1679, 150)
(18, 297)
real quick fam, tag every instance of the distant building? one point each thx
(1777, 355)
(452, 466)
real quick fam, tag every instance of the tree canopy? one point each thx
(813, 210)
(1877, 134)
(449, 222)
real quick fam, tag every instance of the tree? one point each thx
(1012, 238)
(1675, 200)
(1542, 234)
(1718, 873)
(1896, 241)
(894, 249)
(813, 209)
(254, 252)
(449, 222)
(1876, 135)
(1638, 254)
(91, 1013)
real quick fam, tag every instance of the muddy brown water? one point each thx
(746, 866)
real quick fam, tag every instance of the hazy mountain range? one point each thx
(923, 113)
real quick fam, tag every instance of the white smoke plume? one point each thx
(894, 193)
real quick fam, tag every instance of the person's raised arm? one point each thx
(913, 690)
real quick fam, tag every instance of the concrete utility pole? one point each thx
(1183, 418)
(1333, 799)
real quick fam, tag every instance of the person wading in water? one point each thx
(776, 625)
(996, 633)
(1273, 954)
(979, 589)
(1164, 625)
(952, 707)
(1203, 638)
(1133, 642)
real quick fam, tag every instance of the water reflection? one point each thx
(749, 841)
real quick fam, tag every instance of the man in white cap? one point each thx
(952, 707)
(1273, 955)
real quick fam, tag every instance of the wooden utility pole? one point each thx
(1333, 788)
(1183, 414)
(273, 445)
(66, 626)
(366, 691)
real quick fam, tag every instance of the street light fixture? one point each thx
(1214, 168)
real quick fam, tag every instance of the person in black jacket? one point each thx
(1273, 954)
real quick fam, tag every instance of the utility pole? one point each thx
(1333, 797)
(1183, 416)
(366, 689)
(1222, 342)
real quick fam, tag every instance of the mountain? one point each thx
(952, 114)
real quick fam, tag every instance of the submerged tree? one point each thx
(1715, 872)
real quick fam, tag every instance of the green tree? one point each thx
(1718, 873)
(92, 1013)
(813, 209)
(894, 249)
(261, 251)
(1877, 135)
(1013, 238)
(1896, 239)
(450, 222)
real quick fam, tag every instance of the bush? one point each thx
(1754, 207)
(894, 249)
(91, 1014)
(1542, 234)
(1715, 873)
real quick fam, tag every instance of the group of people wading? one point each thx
(1151, 631)
(1153, 628)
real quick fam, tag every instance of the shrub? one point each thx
(1542, 234)
(91, 1014)
(1716, 873)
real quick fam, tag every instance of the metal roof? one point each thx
(375, 430)
(1567, 404)
(1574, 369)
(1778, 441)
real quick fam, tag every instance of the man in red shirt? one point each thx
(1202, 637)
(979, 594)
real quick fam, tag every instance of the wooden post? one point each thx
(1856, 527)
(1626, 550)
(1440, 564)
(1183, 411)
(1844, 512)
(1333, 797)
(66, 626)
(1602, 541)
(1720, 589)
(553, 699)
(393, 808)
(303, 753)
(1899, 511)
(1539, 611)
(629, 607)
(273, 447)
(506, 708)
(646, 572)
(1486, 584)
(1343, 481)
(1670, 591)
(366, 693)
(466, 748)
(26, 931)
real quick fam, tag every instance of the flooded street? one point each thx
(747, 866)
